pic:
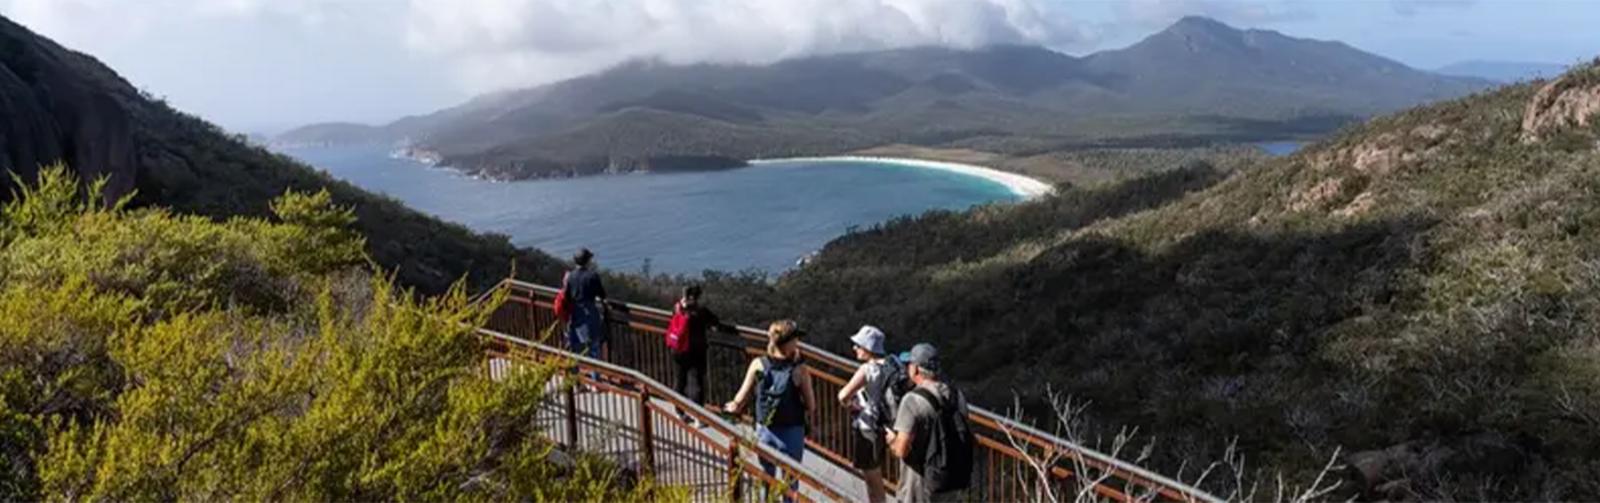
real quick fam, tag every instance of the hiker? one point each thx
(872, 393)
(931, 434)
(585, 299)
(782, 391)
(687, 339)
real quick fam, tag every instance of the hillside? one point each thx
(1503, 71)
(1420, 292)
(1014, 100)
(331, 133)
(57, 105)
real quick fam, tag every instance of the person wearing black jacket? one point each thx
(690, 366)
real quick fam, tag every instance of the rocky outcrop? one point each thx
(49, 113)
(1406, 471)
(1570, 101)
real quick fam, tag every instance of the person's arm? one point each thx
(715, 322)
(905, 427)
(857, 381)
(901, 444)
(806, 396)
(744, 389)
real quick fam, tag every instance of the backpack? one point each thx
(946, 464)
(678, 331)
(562, 306)
(884, 393)
(778, 395)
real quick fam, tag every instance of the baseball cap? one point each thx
(924, 355)
(869, 338)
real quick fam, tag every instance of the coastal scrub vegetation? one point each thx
(146, 355)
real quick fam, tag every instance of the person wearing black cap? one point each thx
(931, 434)
(690, 365)
(586, 330)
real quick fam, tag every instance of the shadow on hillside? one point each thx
(1218, 336)
(947, 236)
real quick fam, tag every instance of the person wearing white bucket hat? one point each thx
(871, 393)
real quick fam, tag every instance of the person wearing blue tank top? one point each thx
(781, 387)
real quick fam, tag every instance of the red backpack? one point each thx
(562, 306)
(678, 331)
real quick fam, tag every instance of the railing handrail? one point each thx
(662, 391)
(1094, 458)
(838, 361)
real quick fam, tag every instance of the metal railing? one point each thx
(622, 414)
(1003, 470)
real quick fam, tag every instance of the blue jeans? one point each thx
(586, 331)
(790, 440)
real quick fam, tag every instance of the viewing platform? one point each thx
(624, 409)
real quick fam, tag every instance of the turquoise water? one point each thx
(1280, 148)
(763, 217)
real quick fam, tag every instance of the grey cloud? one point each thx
(504, 43)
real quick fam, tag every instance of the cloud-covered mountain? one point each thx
(1199, 80)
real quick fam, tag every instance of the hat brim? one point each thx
(855, 340)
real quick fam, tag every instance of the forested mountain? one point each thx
(1196, 82)
(57, 105)
(1421, 292)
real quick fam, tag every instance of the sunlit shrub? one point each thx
(146, 355)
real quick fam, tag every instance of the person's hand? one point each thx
(730, 408)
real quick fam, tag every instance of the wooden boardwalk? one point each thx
(685, 456)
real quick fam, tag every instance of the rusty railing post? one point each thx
(571, 393)
(647, 436)
(533, 317)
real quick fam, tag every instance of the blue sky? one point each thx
(266, 65)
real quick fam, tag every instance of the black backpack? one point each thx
(884, 394)
(778, 395)
(946, 464)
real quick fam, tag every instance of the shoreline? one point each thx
(1023, 186)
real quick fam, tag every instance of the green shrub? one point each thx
(151, 356)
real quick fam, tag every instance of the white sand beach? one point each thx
(1023, 186)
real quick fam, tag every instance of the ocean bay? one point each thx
(763, 217)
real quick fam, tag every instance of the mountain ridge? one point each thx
(1003, 98)
(59, 105)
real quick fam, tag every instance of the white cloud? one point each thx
(95, 24)
(502, 43)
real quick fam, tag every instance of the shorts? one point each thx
(869, 451)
